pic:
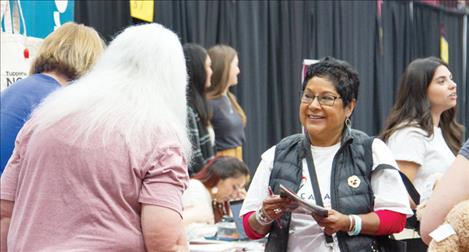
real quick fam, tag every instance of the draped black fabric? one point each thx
(394, 53)
(273, 37)
(107, 16)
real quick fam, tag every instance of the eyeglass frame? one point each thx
(320, 99)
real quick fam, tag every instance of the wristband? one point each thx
(358, 225)
(350, 227)
(262, 218)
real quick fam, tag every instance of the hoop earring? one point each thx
(348, 123)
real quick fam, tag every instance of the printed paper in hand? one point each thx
(305, 205)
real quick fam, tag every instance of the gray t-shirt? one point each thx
(227, 124)
(464, 151)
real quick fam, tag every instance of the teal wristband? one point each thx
(357, 228)
(358, 225)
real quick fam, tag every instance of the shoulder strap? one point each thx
(413, 193)
(367, 145)
(314, 180)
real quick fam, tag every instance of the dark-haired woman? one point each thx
(221, 180)
(199, 69)
(356, 176)
(421, 130)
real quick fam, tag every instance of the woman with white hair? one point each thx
(102, 163)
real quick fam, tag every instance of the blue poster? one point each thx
(41, 17)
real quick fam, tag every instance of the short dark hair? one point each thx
(220, 168)
(340, 73)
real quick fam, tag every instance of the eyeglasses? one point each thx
(326, 100)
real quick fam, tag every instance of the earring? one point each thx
(214, 190)
(348, 123)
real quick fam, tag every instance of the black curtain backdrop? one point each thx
(273, 37)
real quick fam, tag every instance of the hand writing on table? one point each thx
(334, 222)
(239, 194)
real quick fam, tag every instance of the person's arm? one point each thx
(273, 207)
(5, 216)
(381, 222)
(449, 191)
(336, 222)
(160, 196)
(258, 193)
(390, 203)
(408, 148)
(163, 229)
(410, 170)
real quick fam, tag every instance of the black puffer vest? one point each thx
(354, 158)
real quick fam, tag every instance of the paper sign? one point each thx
(142, 9)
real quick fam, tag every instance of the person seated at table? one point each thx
(206, 199)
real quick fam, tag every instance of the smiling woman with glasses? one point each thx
(355, 176)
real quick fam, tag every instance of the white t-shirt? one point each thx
(198, 198)
(431, 153)
(305, 233)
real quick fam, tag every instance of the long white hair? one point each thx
(137, 87)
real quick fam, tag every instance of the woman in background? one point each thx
(221, 180)
(228, 118)
(65, 55)
(421, 129)
(199, 70)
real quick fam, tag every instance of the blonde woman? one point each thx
(228, 119)
(65, 55)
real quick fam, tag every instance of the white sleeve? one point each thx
(195, 194)
(258, 189)
(388, 188)
(408, 144)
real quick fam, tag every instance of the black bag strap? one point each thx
(314, 180)
(414, 194)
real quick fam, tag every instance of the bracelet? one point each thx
(352, 224)
(357, 227)
(262, 218)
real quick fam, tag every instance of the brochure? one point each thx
(305, 205)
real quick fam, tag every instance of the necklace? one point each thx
(220, 210)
